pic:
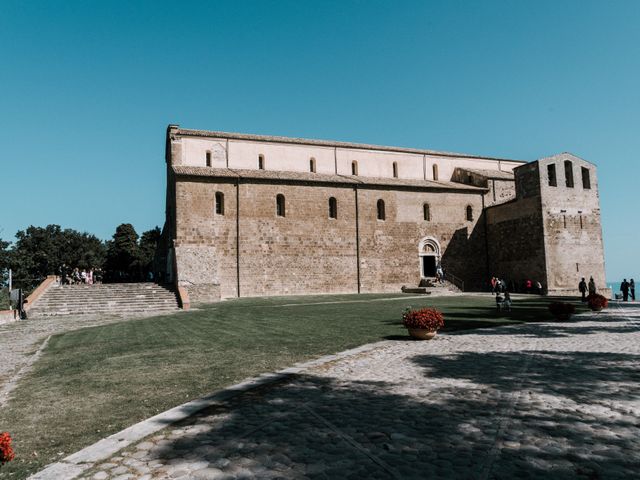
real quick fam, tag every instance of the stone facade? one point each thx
(552, 229)
(226, 235)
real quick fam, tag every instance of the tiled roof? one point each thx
(191, 171)
(493, 174)
(325, 143)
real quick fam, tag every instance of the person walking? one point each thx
(624, 287)
(632, 289)
(592, 286)
(582, 288)
(63, 275)
(493, 285)
(506, 303)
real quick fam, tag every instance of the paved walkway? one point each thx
(548, 401)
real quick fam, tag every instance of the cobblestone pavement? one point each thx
(19, 340)
(548, 401)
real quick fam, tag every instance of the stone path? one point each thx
(541, 401)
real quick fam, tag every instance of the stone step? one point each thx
(110, 298)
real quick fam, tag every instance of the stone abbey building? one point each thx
(251, 215)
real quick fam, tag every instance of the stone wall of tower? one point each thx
(572, 228)
(551, 232)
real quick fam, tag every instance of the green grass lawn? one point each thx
(93, 382)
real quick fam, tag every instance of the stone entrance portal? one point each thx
(429, 252)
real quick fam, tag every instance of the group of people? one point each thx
(583, 288)
(78, 276)
(628, 288)
(499, 285)
(498, 288)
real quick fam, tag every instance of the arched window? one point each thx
(354, 168)
(568, 173)
(208, 158)
(219, 203)
(260, 162)
(333, 208)
(381, 213)
(395, 169)
(280, 211)
(469, 213)
(312, 165)
(426, 210)
(435, 171)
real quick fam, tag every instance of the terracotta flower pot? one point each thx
(422, 333)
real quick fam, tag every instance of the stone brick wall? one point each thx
(573, 232)
(549, 233)
(306, 251)
(515, 240)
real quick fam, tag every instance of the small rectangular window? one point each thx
(551, 173)
(208, 159)
(586, 178)
(568, 173)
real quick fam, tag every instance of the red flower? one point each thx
(6, 452)
(597, 301)
(425, 318)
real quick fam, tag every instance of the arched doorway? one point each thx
(429, 252)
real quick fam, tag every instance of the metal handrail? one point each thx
(458, 282)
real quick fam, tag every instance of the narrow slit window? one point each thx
(260, 162)
(333, 208)
(208, 158)
(551, 174)
(312, 165)
(280, 207)
(381, 212)
(586, 178)
(426, 211)
(354, 168)
(568, 173)
(435, 171)
(395, 169)
(469, 213)
(219, 203)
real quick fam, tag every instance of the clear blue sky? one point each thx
(87, 89)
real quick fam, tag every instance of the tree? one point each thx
(5, 262)
(39, 252)
(122, 262)
(148, 246)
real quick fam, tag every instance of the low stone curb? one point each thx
(81, 461)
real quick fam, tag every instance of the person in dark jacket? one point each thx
(582, 287)
(632, 290)
(624, 288)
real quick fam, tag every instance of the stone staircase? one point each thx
(430, 286)
(108, 298)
